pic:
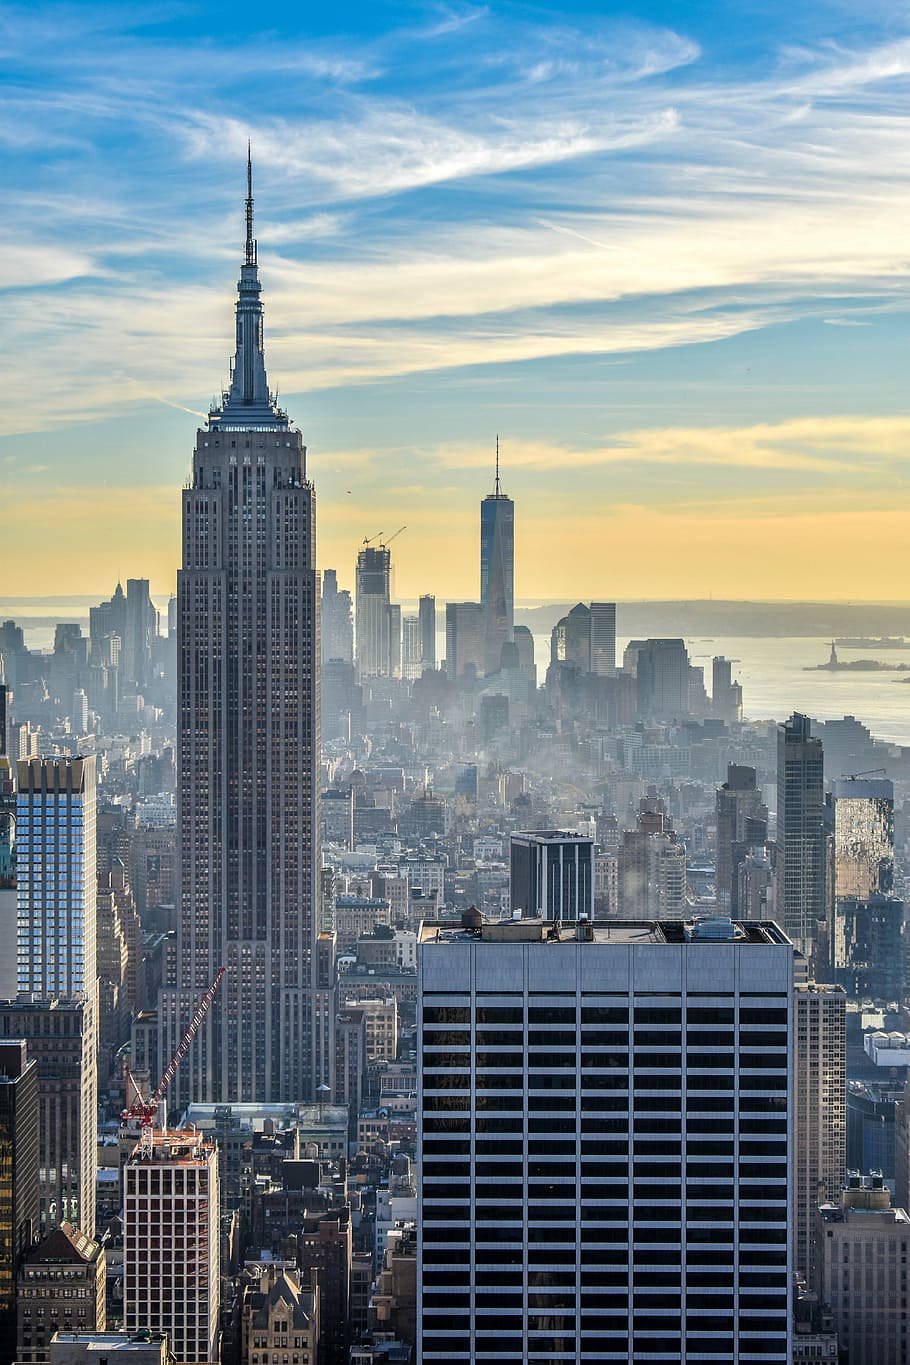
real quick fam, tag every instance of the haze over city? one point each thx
(663, 253)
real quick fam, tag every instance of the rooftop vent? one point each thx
(713, 929)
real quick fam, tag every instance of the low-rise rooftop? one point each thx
(708, 929)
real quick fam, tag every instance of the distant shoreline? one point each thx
(690, 618)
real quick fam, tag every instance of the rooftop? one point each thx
(711, 929)
(111, 1341)
(180, 1148)
(65, 1245)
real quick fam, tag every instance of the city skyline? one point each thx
(665, 263)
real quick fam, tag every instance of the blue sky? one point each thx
(663, 250)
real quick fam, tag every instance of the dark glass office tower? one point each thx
(497, 571)
(605, 1129)
(248, 739)
(18, 1176)
(800, 832)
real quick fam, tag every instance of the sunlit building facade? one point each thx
(55, 848)
(863, 836)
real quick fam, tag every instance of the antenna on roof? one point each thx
(498, 487)
(250, 239)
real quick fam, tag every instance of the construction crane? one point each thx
(391, 538)
(869, 772)
(145, 1110)
(368, 540)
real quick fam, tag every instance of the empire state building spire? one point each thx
(248, 402)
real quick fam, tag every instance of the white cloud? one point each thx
(836, 445)
(568, 191)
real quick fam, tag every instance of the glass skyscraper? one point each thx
(55, 846)
(497, 571)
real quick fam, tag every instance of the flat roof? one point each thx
(708, 929)
(111, 1341)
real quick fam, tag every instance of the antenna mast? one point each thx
(250, 239)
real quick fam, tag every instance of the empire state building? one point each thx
(248, 740)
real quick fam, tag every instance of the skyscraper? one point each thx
(62, 1039)
(742, 823)
(427, 616)
(141, 630)
(866, 949)
(248, 738)
(603, 639)
(372, 604)
(464, 640)
(55, 845)
(552, 874)
(411, 653)
(497, 571)
(171, 1236)
(800, 901)
(819, 1111)
(18, 1176)
(337, 624)
(662, 673)
(603, 1131)
(726, 694)
(863, 836)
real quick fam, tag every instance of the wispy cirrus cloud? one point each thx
(469, 193)
(819, 445)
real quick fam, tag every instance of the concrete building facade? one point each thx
(819, 1111)
(864, 1242)
(171, 1257)
(248, 740)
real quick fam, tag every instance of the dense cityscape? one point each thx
(396, 981)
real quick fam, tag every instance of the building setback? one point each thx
(248, 740)
(604, 1125)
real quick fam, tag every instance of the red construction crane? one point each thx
(145, 1110)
